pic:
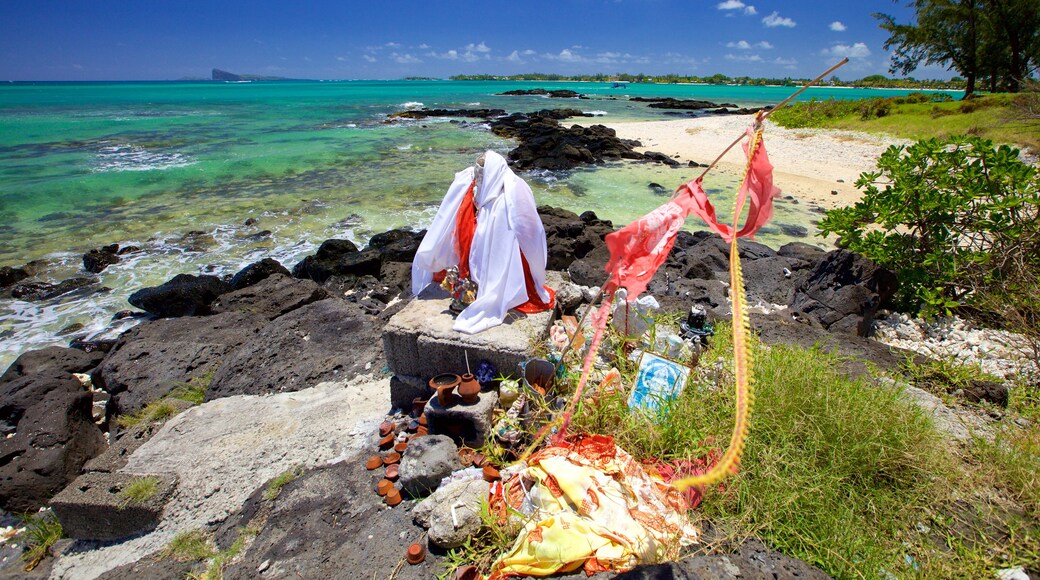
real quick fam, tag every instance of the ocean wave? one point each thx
(412, 105)
(595, 113)
(476, 104)
(133, 158)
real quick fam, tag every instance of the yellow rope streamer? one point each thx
(742, 370)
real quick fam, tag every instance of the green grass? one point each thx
(274, 487)
(836, 471)
(193, 391)
(138, 491)
(42, 530)
(189, 546)
(993, 117)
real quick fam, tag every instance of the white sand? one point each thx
(807, 162)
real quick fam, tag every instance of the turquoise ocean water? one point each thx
(88, 164)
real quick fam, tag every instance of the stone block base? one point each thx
(91, 507)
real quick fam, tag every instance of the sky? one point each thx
(388, 39)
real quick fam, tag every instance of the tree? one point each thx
(997, 41)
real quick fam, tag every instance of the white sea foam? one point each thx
(404, 147)
(133, 158)
(476, 104)
(412, 105)
(595, 113)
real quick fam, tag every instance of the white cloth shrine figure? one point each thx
(492, 211)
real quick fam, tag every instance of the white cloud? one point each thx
(745, 45)
(341, 58)
(744, 57)
(392, 45)
(774, 20)
(784, 61)
(423, 46)
(565, 55)
(481, 48)
(528, 52)
(368, 57)
(857, 50)
(737, 5)
(404, 58)
(514, 57)
(837, 26)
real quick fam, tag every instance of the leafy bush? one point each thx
(949, 217)
(41, 531)
(874, 108)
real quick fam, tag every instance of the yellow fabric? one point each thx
(594, 506)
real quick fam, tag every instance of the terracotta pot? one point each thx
(393, 497)
(479, 460)
(391, 458)
(467, 573)
(445, 384)
(384, 486)
(491, 474)
(416, 554)
(466, 456)
(374, 462)
(400, 447)
(392, 472)
(386, 442)
(385, 428)
(418, 406)
(469, 389)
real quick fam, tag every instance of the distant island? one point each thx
(872, 81)
(223, 75)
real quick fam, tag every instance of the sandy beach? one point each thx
(810, 164)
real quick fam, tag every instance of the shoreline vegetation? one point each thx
(871, 81)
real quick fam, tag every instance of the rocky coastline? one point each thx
(273, 330)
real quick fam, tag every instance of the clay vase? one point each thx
(418, 406)
(469, 389)
(445, 384)
(384, 487)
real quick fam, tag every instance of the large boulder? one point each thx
(327, 340)
(47, 417)
(338, 258)
(258, 271)
(427, 461)
(153, 358)
(451, 514)
(570, 237)
(271, 296)
(183, 295)
(34, 291)
(843, 292)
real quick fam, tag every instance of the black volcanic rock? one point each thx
(256, 272)
(680, 104)
(271, 297)
(545, 144)
(36, 291)
(96, 260)
(471, 113)
(341, 342)
(553, 94)
(182, 295)
(47, 429)
(153, 358)
(843, 292)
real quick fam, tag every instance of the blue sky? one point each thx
(385, 39)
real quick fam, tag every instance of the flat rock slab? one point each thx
(223, 450)
(93, 508)
(419, 340)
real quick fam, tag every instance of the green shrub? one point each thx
(138, 491)
(949, 217)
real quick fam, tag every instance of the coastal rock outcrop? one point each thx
(571, 237)
(330, 339)
(46, 417)
(155, 357)
(680, 104)
(553, 94)
(33, 291)
(545, 144)
(843, 292)
(271, 297)
(182, 295)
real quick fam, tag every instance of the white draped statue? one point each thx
(507, 224)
